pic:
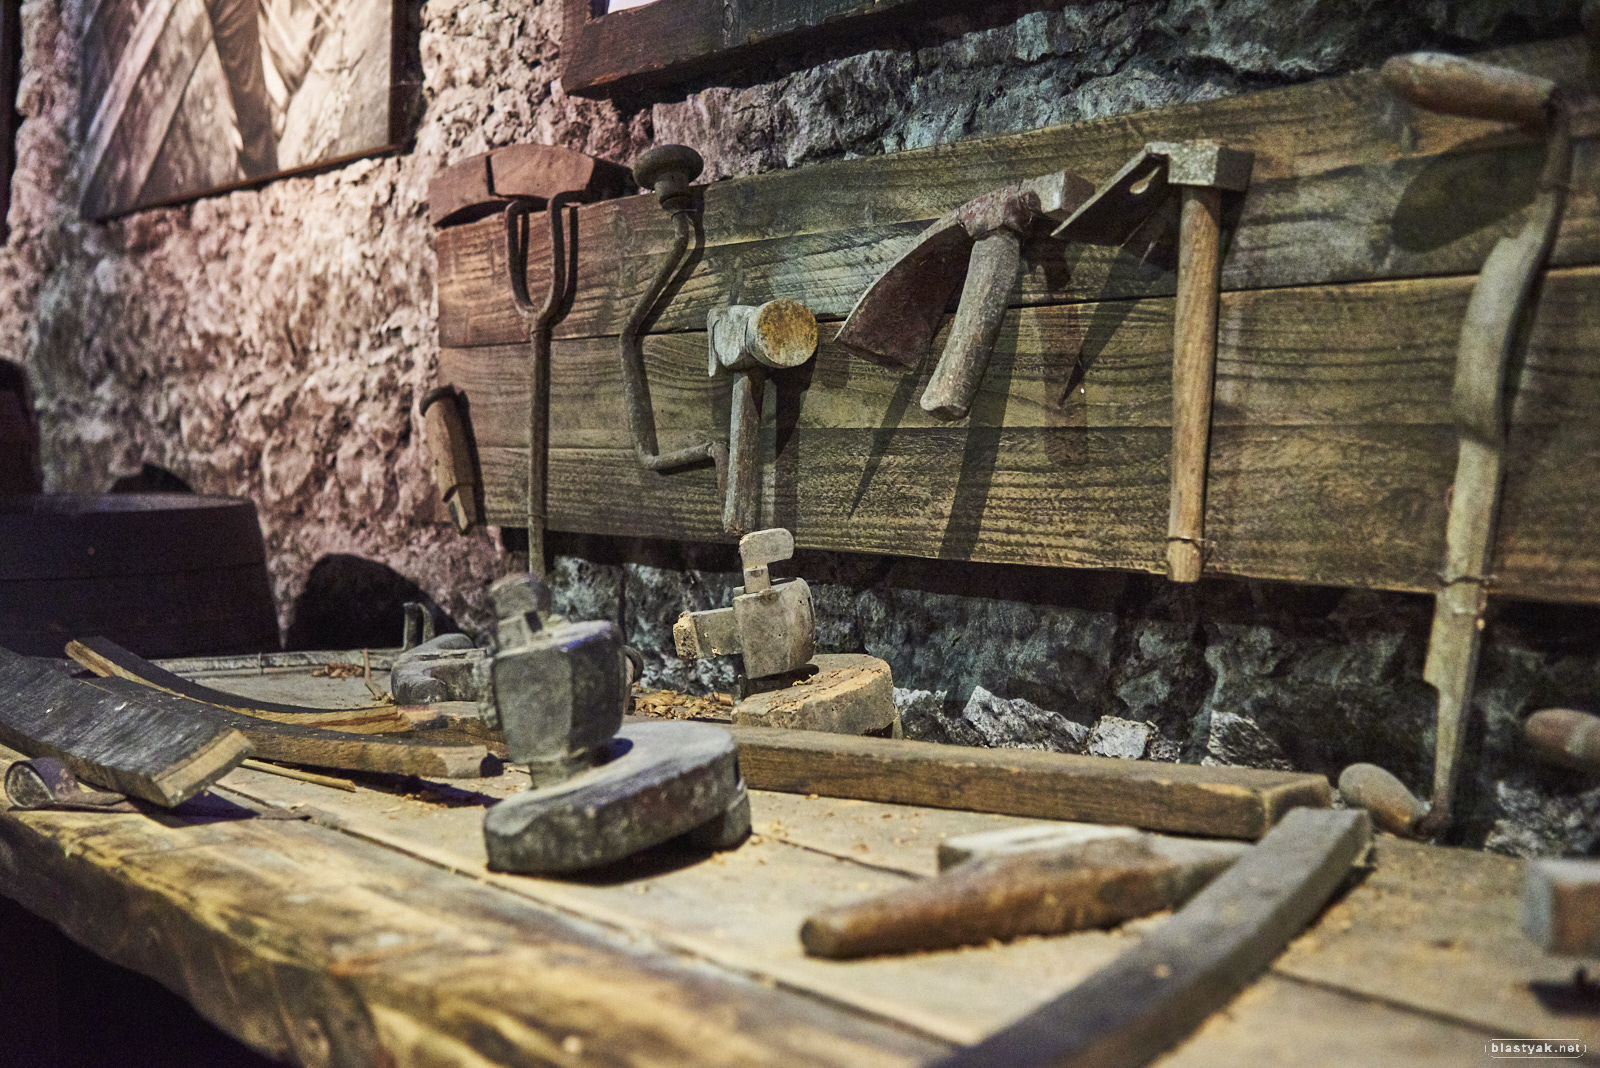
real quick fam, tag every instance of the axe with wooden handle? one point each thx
(895, 320)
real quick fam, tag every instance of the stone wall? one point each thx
(273, 343)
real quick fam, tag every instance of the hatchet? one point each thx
(894, 322)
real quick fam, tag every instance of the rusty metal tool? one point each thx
(1028, 881)
(895, 320)
(1203, 171)
(48, 783)
(746, 342)
(668, 170)
(517, 181)
(772, 625)
(1495, 313)
(600, 793)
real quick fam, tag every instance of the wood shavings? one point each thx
(668, 704)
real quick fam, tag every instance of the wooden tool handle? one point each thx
(1194, 360)
(741, 504)
(991, 276)
(1451, 85)
(1093, 884)
(1564, 736)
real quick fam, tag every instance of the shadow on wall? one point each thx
(20, 471)
(353, 603)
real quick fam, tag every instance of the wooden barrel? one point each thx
(164, 574)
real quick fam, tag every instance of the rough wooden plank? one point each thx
(1224, 802)
(316, 948)
(1438, 931)
(1348, 184)
(1156, 993)
(1561, 906)
(1331, 452)
(120, 742)
(108, 659)
(743, 909)
(319, 747)
(1287, 1024)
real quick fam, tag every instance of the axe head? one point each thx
(1126, 199)
(894, 322)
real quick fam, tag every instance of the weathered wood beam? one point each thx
(1349, 184)
(107, 659)
(314, 947)
(1224, 802)
(1331, 453)
(125, 742)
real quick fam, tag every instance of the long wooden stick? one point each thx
(1224, 802)
(1194, 361)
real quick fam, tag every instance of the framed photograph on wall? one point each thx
(181, 98)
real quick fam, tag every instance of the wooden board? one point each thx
(1348, 184)
(108, 659)
(293, 743)
(310, 945)
(121, 742)
(1331, 454)
(1223, 802)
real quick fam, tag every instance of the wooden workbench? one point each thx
(368, 931)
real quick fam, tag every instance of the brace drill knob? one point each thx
(558, 694)
(771, 624)
(669, 170)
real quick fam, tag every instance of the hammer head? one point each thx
(1126, 199)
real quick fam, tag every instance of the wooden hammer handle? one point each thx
(1451, 85)
(991, 276)
(1193, 370)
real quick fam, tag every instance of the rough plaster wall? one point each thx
(272, 343)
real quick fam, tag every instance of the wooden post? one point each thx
(1194, 361)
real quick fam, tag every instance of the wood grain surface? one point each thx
(1223, 802)
(1331, 456)
(124, 742)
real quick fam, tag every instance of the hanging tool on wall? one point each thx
(668, 170)
(746, 342)
(517, 181)
(455, 471)
(1495, 313)
(601, 791)
(895, 320)
(1203, 170)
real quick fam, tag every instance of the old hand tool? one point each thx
(518, 180)
(1203, 170)
(747, 342)
(1006, 884)
(772, 625)
(454, 471)
(668, 170)
(1494, 314)
(600, 794)
(895, 320)
(1157, 991)
(48, 783)
(122, 741)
